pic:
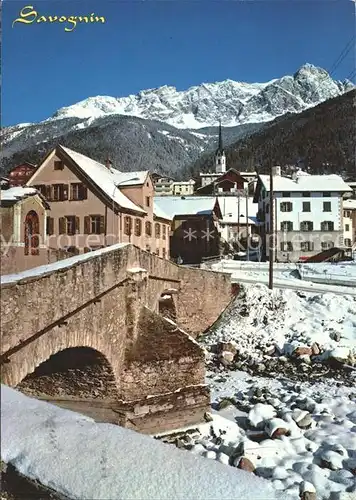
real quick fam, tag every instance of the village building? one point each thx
(349, 214)
(222, 180)
(23, 217)
(195, 231)
(183, 188)
(163, 186)
(352, 185)
(308, 214)
(95, 205)
(19, 175)
(239, 220)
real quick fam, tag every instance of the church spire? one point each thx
(220, 158)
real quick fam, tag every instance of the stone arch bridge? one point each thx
(111, 334)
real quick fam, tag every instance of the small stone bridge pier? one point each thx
(111, 334)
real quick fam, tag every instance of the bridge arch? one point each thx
(81, 372)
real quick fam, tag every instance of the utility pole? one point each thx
(271, 230)
(238, 219)
(247, 232)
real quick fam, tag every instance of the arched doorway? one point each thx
(32, 240)
(166, 306)
(78, 372)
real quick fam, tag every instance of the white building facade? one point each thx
(307, 214)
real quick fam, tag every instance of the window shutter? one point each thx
(102, 224)
(87, 224)
(84, 192)
(77, 225)
(61, 225)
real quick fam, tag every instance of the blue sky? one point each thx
(146, 44)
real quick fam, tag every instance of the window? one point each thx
(148, 228)
(157, 230)
(347, 227)
(306, 206)
(138, 227)
(164, 229)
(32, 242)
(50, 226)
(325, 245)
(347, 213)
(60, 192)
(307, 246)
(127, 225)
(78, 192)
(347, 242)
(286, 194)
(267, 208)
(326, 194)
(286, 246)
(164, 253)
(147, 201)
(306, 225)
(327, 206)
(94, 224)
(306, 194)
(58, 165)
(327, 226)
(287, 226)
(68, 224)
(286, 206)
(148, 248)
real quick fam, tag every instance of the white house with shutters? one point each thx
(307, 213)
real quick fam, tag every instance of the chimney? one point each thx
(276, 171)
(108, 162)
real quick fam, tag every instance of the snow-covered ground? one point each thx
(292, 434)
(260, 319)
(81, 459)
(330, 277)
(274, 411)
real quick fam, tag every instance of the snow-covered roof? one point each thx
(17, 193)
(131, 178)
(80, 458)
(350, 204)
(185, 205)
(105, 178)
(229, 206)
(158, 212)
(306, 182)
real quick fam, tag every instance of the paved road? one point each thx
(303, 286)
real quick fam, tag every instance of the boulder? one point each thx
(315, 349)
(226, 357)
(302, 351)
(246, 464)
(307, 491)
(276, 427)
(226, 346)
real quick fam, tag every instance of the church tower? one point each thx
(220, 158)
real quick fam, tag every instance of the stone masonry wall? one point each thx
(31, 305)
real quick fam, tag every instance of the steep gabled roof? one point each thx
(105, 180)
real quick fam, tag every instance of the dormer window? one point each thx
(58, 165)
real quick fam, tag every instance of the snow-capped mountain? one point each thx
(235, 103)
(161, 124)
